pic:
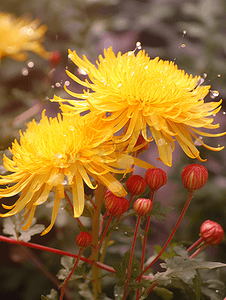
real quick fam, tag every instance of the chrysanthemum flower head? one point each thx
(57, 153)
(142, 93)
(19, 35)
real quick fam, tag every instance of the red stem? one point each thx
(69, 276)
(103, 236)
(172, 233)
(195, 244)
(48, 249)
(144, 243)
(131, 257)
(198, 251)
(131, 199)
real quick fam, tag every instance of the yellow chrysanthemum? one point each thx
(19, 35)
(141, 93)
(57, 153)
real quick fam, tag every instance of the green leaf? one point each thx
(160, 212)
(197, 285)
(12, 226)
(67, 263)
(121, 270)
(183, 268)
(52, 296)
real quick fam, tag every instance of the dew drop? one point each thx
(125, 232)
(197, 142)
(67, 83)
(138, 45)
(53, 86)
(183, 45)
(116, 228)
(57, 84)
(161, 142)
(218, 75)
(214, 94)
(184, 32)
(30, 64)
(24, 71)
(82, 71)
(224, 112)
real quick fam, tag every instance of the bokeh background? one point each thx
(192, 33)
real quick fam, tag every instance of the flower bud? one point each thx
(55, 58)
(84, 239)
(194, 177)
(116, 205)
(142, 206)
(136, 184)
(155, 178)
(211, 232)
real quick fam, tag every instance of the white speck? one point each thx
(24, 71)
(30, 64)
(57, 84)
(67, 83)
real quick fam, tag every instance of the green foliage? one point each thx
(160, 212)
(12, 226)
(121, 271)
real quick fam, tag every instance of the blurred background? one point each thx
(192, 33)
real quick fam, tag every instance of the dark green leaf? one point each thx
(160, 212)
(197, 285)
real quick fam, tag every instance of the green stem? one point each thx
(102, 238)
(131, 257)
(172, 233)
(99, 194)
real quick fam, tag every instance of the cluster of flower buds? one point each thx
(194, 177)
(83, 239)
(115, 205)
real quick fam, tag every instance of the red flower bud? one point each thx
(115, 205)
(194, 177)
(211, 232)
(136, 184)
(142, 206)
(55, 58)
(155, 178)
(84, 239)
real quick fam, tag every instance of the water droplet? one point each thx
(197, 142)
(218, 75)
(138, 45)
(161, 142)
(67, 83)
(116, 228)
(224, 112)
(214, 94)
(204, 75)
(53, 86)
(24, 71)
(184, 32)
(57, 84)
(183, 45)
(30, 64)
(125, 232)
(82, 71)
